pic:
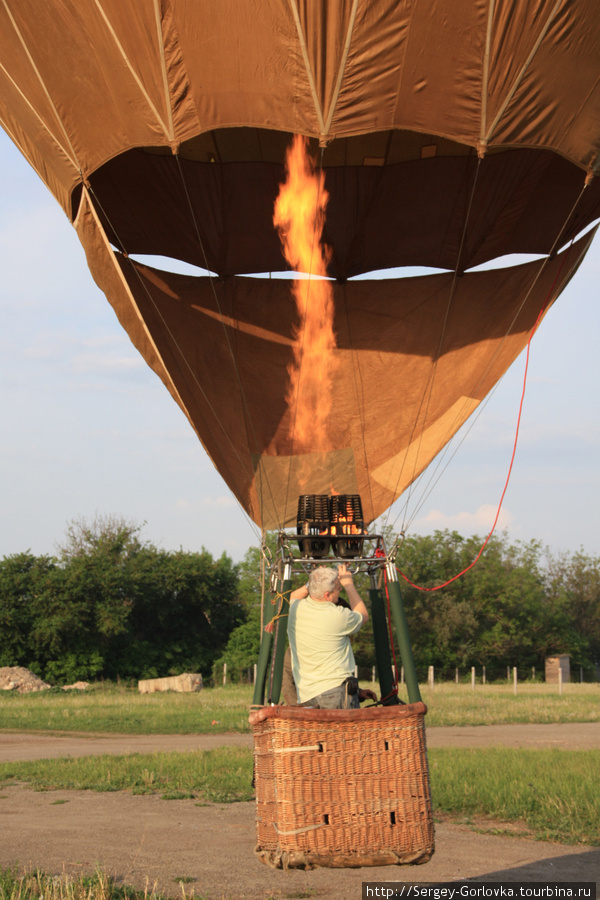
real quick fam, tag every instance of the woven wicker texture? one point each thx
(343, 787)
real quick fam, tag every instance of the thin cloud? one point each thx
(465, 522)
(220, 501)
(104, 363)
(106, 354)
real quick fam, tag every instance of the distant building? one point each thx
(556, 663)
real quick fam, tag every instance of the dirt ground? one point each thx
(145, 841)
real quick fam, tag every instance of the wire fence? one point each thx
(431, 675)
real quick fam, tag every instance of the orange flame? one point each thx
(299, 217)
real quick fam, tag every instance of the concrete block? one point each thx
(182, 684)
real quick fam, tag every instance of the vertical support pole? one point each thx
(285, 589)
(515, 680)
(264, 654)
(401, 626)
(472, 678)
(266, 642)
(381, 639)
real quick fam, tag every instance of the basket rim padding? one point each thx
(303, 713)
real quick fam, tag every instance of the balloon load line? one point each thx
(512, 458)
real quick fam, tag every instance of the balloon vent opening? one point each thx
(330, 522)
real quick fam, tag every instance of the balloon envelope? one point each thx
(448, 139)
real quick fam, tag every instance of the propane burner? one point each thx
(330, 521)
(346, 521)
(313, 520)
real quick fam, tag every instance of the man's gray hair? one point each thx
(321, 581)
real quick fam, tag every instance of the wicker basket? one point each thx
(342, 787)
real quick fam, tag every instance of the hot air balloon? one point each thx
(447, 140)
(449, 135)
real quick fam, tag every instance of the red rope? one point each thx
(512, 459)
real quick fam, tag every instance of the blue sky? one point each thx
(87, 428)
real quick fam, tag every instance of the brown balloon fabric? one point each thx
(378, 217)
(450, 135)
(83, 82)
(415, 358)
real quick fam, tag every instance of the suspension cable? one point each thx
(514, 450)
(428, 389)
(360, 402)
(248, 421)
(451, 427)
(174, 342)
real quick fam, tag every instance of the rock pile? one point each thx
(17, 678)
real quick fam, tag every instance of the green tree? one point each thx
(574, 588)
(496, 614)
(86, 600)
(186, 607)
(22, 579)
(112, 605)
(241, 652)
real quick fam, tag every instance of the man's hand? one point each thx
(345, 575)
(366, 695)
(347, 582)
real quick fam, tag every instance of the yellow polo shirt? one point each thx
(319, 634)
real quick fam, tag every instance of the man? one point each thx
(319, 633)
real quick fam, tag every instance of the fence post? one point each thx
(431, 677)
(472, 678)
(508, 674)
(356, 671)
(483, 676)
(224, 673)
(456, 675)
(581, 674)
(254, 674)
(515, 680)
(401, 674)
(373, 675)
(559, 678)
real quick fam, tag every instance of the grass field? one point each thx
(543, 794)
(212, 776)
(120, 710)
(552, 794)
